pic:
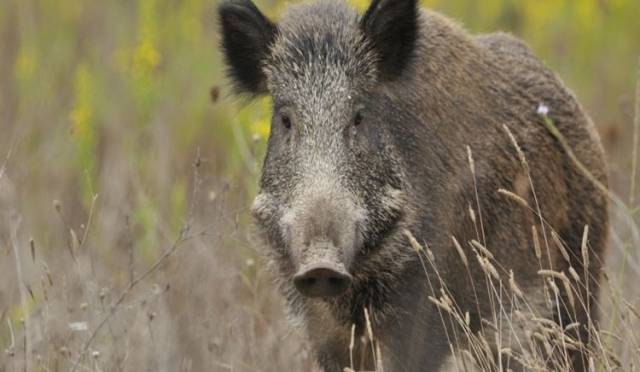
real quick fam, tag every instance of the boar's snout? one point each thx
(324, 240)
(322, 280)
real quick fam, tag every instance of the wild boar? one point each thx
(408, 159)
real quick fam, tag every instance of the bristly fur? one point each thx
(314, 54)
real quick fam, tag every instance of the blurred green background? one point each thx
(117, 99)
(80, 80)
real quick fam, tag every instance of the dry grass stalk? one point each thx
(183, 235)
(554, 287)
(379, 363)
(572, 326)
(472, 214)
(370, 334)
(574, 274)
(563, 250)
(611, 356)
(15, 225)
(472, 164)
(569, 291)
(552, 274)
(412, 241)
(485, 252)
(430, 255)
(488, 267)
(461, 253)
(351, 345)
(488, 324)
(514, 286)
(468, 355)
(521, 156)
(584, 248)
(632, 309)
(441, 304)
(546, 324)
(444, 297)
(515, 197)
(611, 334)
(486, 348)
(536, 242)
(368, 324)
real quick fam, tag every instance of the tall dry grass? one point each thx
(78, 306)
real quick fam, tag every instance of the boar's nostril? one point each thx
(307, 282)
(322, 282)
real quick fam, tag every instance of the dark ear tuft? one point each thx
(392, 27)
(246, 37)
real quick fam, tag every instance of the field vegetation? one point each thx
(127, 170)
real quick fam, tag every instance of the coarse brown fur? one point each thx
(457, 97)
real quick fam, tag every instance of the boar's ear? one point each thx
(246, 37)
(392, 27)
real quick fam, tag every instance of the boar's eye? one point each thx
(357, 120)
(286, 121)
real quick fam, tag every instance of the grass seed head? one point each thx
(536, 242)
(485, 252)
(574, 274)
(461, 253)
(584, 248)
(515, 197)
(521, 156)
(412, 240)
(472, 165)
(472, 214)
(561, 246)
(514, 286)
